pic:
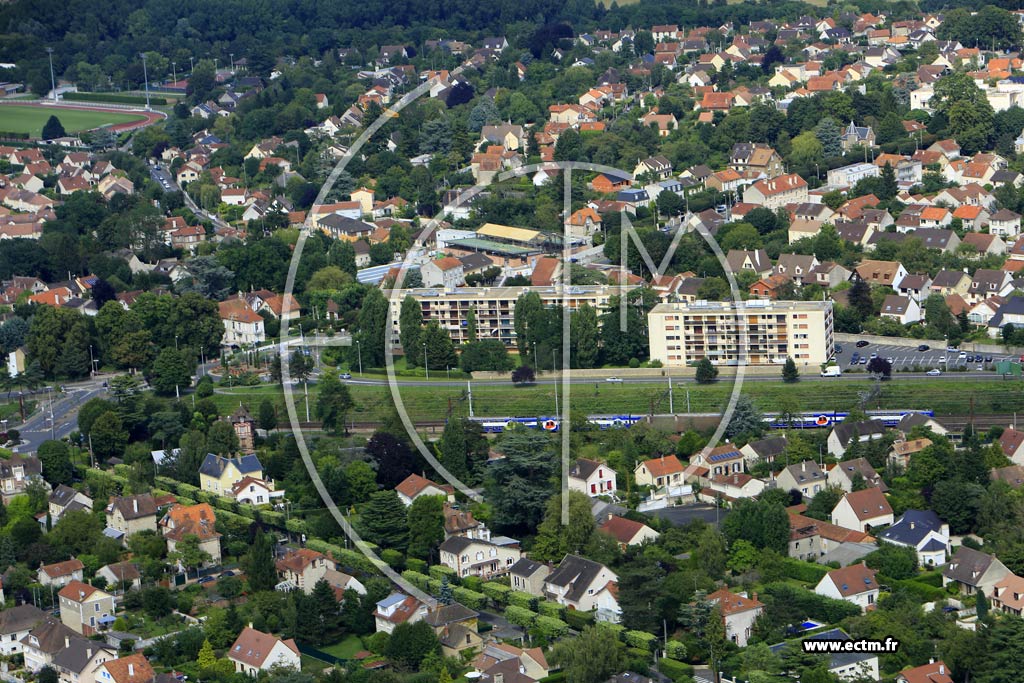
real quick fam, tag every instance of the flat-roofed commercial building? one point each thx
(758, 332)
(495, 307)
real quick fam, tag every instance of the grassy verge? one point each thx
(431, 403)
(346, 649)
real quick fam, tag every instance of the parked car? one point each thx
(839, 348)
(988, 359)
(206, 579)
(863, 360)
(923, 347)
(854, 358)
(346, 375)
(861, 344)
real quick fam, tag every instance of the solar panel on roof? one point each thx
(722, 456)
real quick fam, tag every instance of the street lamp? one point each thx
(535, 356)
(175, 342)
(359, 351)
(426, 369)
(174, 72)
(190, 65)
(53, 82)
(232, 61)
(145, 76)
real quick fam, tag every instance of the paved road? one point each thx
(37, 428)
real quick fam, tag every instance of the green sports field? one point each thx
(26, 119)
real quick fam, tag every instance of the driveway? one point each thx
(684, 514)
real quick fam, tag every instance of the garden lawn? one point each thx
(346, 649)
(29, 119)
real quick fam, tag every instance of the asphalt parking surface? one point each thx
(936, 357)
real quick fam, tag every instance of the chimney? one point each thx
(131, 669)
(499, 678)
(67, 642)
(942, 668)
(911, 526)
(88, 652)
(803, 466)
(736, 479)
(754, 595)
(135, 505)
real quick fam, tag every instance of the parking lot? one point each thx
(904, 357)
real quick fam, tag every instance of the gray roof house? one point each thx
(844, 433)
(972, 570)
(923, 531)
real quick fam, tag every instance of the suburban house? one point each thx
(775, 193)
(847, 666)
(397, 609)
(627, 531)
(475, 557)
(530, 663)
(903, 309)
(807, 477)
(192, 520)
(933, 672)
(254, 652)
(242, 325)
(129, 515)
(253, 491)
(592, 478)
(134, 668)
(15, 625)
(812, 539)
(15, 474)
(664, 473)
(972, 570)
(861, 510)
(121, 576)
(584, 585)
(764, 450)
(64, 499)
(78, 661)
(923, 531)
(724, 459)
(301, 569)
(455, 626)
(1008, 595)
(855, 583)
(219, 474)
(843, 474)
(60, 573)
(528, 576)
(85, 609)
(845, 433)
(739, 613)
(414, 486)
(881, 273)
(43, 642)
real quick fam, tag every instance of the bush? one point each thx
(921, 591)
(439, 571)
(520, 616)
(417, 565)
(640, 639)
(421, 581)
(473, 583)
(634, 363)
(617, 628)
(550, 627)
(550, 609)
(578, 620)
(803, 571)
(470, 599)
(677, 671)
(377, 642)
(393, 558)
(497, 592)
(676, 650)
(521, 599)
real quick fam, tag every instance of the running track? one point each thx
(151, 116)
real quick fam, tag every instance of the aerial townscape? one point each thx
(535, 341)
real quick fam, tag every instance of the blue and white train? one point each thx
(802, 420)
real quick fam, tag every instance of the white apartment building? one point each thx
(495, 307)
(757, 332)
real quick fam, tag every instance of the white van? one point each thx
(832, 371)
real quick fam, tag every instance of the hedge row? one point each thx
(677, 671)
(11, 135)
(550, 609)
(579, 620)
(521, 599)
(469, 598)
(803, 571)
(110, 97)
(439, 571)
(520, 616)
(497, 592)
(417, 579)
(550, 627)
(922, 591)
(640, 639)
(353, 560)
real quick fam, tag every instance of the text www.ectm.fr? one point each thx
(889, 645)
